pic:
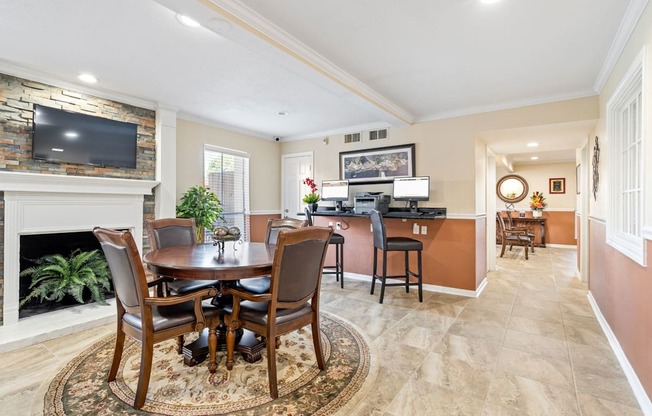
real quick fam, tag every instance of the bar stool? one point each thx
(338, 240)
(384, 243)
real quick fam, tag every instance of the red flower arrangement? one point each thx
(313, 196)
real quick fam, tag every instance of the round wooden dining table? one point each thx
(237, 261)
(205, 262)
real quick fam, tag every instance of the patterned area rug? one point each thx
(81, 387)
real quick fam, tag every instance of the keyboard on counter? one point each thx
(399, 214)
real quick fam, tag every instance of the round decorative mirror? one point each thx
(512, 188)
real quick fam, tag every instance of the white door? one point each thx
(296, 167)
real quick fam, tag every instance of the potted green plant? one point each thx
(204, 206)
(55, 276)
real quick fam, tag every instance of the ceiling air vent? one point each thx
(352, 138)
(378, 134)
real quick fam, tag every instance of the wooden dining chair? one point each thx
(171, 232)
(146, 319)
(528, 230)
(512, 237)
(292, 301)
(274, 226)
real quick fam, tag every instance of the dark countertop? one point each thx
(423, 213)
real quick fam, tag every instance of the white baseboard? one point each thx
(632, 378)
(569, 246)
(427, 287)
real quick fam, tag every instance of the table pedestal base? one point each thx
(247, 344)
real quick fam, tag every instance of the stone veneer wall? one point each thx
(17, 99)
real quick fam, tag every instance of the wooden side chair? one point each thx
(528, 230)
(274, 227)
(512, 237)
(385, 244)
(146, 319)
(171, 232)
(292, 301)
(338, 241)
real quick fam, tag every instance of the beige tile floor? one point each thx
(529, 345)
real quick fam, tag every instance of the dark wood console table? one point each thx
(206, 262)
(530, 221)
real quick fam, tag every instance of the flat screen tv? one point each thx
(63, 136)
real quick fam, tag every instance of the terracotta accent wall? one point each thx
(258, 226)
(621, 288)
(560, 227)
(449, 249)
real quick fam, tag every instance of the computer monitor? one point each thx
(411, 189)
(335, 190)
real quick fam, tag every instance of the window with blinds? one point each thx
(226, 173)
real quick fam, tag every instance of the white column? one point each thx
(166, 162)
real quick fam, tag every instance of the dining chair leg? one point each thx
(147, 351)
(502, 250)
(375, 271)
(117, 353)
(316, 340)
(271, 368)
(407, 271)
(384, 277)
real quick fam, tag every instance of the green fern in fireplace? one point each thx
(55, 276)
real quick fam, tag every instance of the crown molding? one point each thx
(241, 15)
(627, 26)
(507, 105)
(32, 75)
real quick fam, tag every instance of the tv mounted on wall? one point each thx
(63, 136)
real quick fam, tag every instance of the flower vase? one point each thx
(313, 207)
(537, 213)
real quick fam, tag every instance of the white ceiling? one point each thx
(335, 66)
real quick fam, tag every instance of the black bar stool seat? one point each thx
(385, 244)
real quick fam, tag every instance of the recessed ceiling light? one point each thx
(533, 144)
(91, 79)
(489, 1)
(282, 113)
(534, 158)
(186, 21)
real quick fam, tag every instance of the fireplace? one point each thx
(34, 247)
(46, 204)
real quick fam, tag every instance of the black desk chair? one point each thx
(405, 244)
(338, 241)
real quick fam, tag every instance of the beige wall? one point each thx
(447, 151)
(537, 177)
(620, 286)
(264, 161)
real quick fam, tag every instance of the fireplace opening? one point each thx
(33, 247)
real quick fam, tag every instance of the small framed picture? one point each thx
(557, 186)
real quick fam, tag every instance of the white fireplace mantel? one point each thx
(41, 203)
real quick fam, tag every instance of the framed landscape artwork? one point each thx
(557, 186)
(380, 164)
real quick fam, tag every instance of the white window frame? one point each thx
(247, 210)
(626, 215)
